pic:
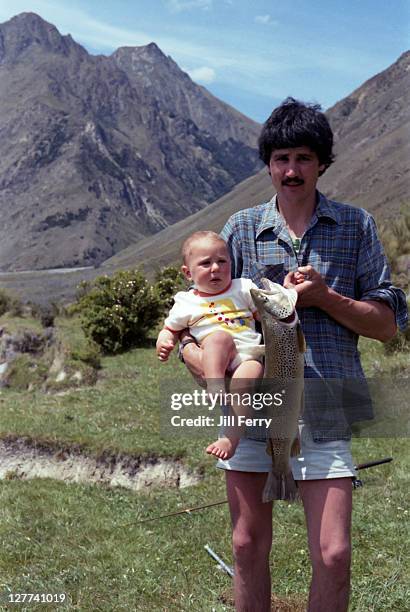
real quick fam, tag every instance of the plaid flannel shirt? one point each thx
(341, 243)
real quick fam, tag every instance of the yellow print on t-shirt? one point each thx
(224, 314)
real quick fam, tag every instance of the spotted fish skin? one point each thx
(284, 366)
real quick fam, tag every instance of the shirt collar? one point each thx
(325, 208)
(272, 219)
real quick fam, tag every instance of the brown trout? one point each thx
(284, 370)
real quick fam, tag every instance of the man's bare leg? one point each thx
(251, 539)
(328, 510)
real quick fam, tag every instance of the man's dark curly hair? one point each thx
(296, 124)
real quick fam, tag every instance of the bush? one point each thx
(24, 372)
(46, 313)
(395, 236)
(82, 289)
(28, 341)
(400, 342)
(10, 303)
(89, 354)
(119, 312)
(4, 302)
(16, 307)
(168, 282)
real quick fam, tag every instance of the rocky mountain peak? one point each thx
(145, 59)
(404, 60)
(172, 91)
(28, 33)
(97, 152)
(151, 52)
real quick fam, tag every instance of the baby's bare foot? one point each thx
(224, 448)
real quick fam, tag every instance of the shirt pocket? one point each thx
(274, 272)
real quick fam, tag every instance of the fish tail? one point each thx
(280, 486)
(295, 448)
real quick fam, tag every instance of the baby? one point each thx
(219, 313)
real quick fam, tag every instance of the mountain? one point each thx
(97, 152)
(372, 142)
(372, 168)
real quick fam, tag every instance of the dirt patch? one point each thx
(25, 459)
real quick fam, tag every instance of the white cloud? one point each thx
(202, 75)
(176, 6)
(265, 20)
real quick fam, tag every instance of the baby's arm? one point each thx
(166, 341)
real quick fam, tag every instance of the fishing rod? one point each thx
(356, 483)
(369, 464)
(227, 568)
(184, 511)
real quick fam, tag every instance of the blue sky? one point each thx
(249, 53)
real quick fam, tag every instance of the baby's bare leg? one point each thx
(243, 380)
(218, 350)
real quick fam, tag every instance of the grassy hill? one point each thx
(84, 538)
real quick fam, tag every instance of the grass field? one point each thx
(84, 539)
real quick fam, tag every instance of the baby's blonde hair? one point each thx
(196, 237)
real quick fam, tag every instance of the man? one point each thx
(331, 253)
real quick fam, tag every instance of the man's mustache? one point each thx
(293, 182)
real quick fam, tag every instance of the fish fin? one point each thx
(301, 339)
(295, 448)
(280, 486)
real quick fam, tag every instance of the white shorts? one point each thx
(240, 358)
(254, 352)
(316, 460)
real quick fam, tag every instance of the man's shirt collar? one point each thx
(272, 219)
(325, 208)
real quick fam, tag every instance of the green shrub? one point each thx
(16, 307)
(45, 313)
(89, 354)
(10, 303)
(168, 282)
(4, 302)
(83, 288)
(29, 341)
(400, 342)
(25, 372)
(395, 236)
(119, 311)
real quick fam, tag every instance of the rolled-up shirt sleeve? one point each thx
(373, 275)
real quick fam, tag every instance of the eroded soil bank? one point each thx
(26, 459)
